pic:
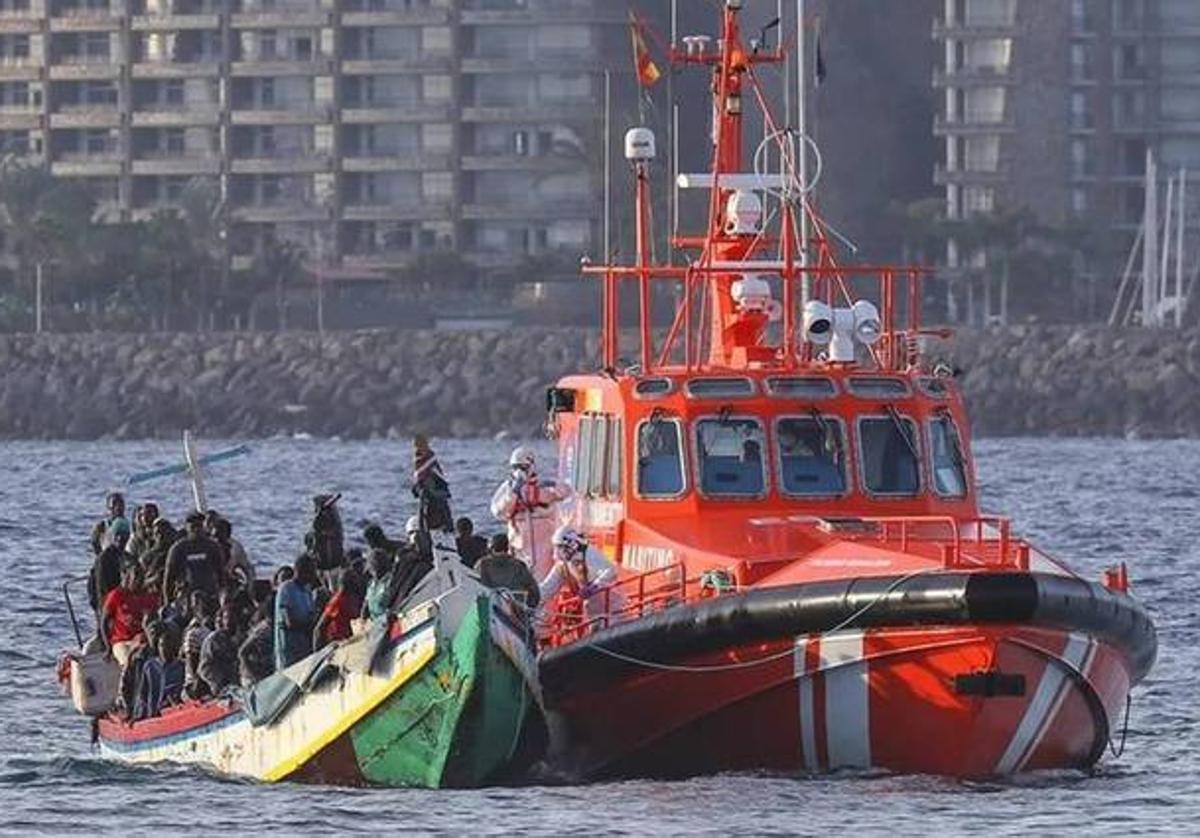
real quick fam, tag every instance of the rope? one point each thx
(728, 667)
(1117, 751)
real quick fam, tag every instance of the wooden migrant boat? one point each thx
(439, 696)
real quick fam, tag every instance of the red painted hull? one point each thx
(889, 699)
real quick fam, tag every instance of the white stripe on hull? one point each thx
(1052, 690)
(808, 732)
(847, 701)
(847, 693)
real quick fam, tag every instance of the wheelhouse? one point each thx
(839, 443)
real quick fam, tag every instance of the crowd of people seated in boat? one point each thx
(185, 614)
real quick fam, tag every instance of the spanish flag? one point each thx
(647, 71)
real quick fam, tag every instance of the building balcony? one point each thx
(281, 19)
(282, 212)
(396, 64)
(969, 30)
(25, 21)
(352, 161)
(175, 116)
(80, 164)
(398, 17)
(20, 69)
(971, 77)
(86, 116)
(395, 113)
(281, 67)
(85, 20)
(19, 117)
(379, 259)
(171, 163)
(548, 209)
(290, 115)
(549, 12)
(424, 211)
(543, 62)
(944, 176)
(78, 68)
(175, 69)
(546, 112)
(174, 23)
(971, 126)
(517, 162)
(298, 164)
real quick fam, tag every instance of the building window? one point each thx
(1081, 111)
(1128, 15)
(1129, 108)
(1129, 62)
(1082, 66)
(1079, 201)
(1082, 159)
(173, 141)
(172, 92)
(1083, 16)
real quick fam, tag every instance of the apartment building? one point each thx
(1052, 104)
(366, 131)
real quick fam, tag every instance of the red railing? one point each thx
(960, 543)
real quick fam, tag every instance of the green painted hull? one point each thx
(458, 722)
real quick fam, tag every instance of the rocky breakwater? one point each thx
(1019, 381)
(1081, 381)
(354, 384)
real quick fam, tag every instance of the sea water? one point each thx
(1090, 502)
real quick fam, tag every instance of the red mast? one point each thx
(750, 246)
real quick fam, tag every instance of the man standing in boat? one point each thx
(529, 506)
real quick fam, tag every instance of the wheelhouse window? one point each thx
(811, 456)
(660, 459)
(730, 457)
(946, 453)
(598, 458)
(889, 455)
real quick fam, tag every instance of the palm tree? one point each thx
(46, 218)
(279, 262)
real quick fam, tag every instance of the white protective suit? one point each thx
(530, 508)
(596, 573)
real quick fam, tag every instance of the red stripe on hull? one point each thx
(900, 709)
(173, 722)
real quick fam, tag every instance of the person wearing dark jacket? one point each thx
(256, 655)
(219, 654)
(430, 488)
(109, 564)
(500, 569)
(325, 539)
(471, 547)
(194, 563)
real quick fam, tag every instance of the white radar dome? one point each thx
(639, 144)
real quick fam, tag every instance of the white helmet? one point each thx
(412, 525)
(522, 457)
(568, 536)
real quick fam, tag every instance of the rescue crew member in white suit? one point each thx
(583, 570)
(530, 508)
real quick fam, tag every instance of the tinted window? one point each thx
(801, 388)
(730, 457)
(889, 461)
(878, 387)
(653, 387)
(660, 460)
(720, 387)
(949, 465)
(811, 456)
(598, 454)
(583, 459)
(615, 443)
